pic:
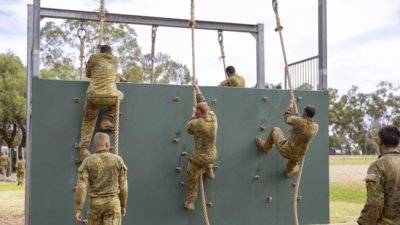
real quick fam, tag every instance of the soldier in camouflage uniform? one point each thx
(20, 166)
(5, 164)
(107, 175)
(295, 147)
(234, 79)
(102, 91)
(383, 182)
(204, 129)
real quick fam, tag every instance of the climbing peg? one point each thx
(298, 198)
(299, 99)
(265, 99)
(269, 199)
(176, 140)
(76, 100)
(85, 221)
(179, 169)
(214, 101)
(215, 168)
(176, 99)
(182, 184)
(257, 177)
(184, 153)
(74, 189)
(76, 145)
(209, 204)
(294, 184)
(120, 114)
(111, 148)
(262, 128)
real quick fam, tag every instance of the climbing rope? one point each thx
(117, 127)
(279, 28)
(153, 46)
(221, 44)
(192, 23)
(82, 38)
(102, 18)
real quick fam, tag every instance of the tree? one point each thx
(273, 86)
(305, 87)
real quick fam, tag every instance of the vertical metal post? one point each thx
(17, 158)
(284, 72)
(11, 162)
(260, 57)
(36, 38)
(322, 45)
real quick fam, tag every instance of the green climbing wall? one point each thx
(150, 122)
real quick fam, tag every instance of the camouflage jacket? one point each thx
(234, 81)
(383, 191)
(102, 69)
(204, 130)
(20, 165)
(106, 174)
(303, 132)
(4, 160)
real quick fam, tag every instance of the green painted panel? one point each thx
(150, 122)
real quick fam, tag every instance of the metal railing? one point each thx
(304, 74)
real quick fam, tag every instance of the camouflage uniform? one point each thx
(102, 91)
(295, 147)
(383, 186)
(5, 163)
(107, 175)
(234, 81)
(204, 130)
(20, 166)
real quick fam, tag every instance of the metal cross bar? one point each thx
(146, 20)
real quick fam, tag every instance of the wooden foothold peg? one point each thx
(209, 204)
(111, 148)
(176, 99)
(184, 153)
(265, 99)
(179, 169)
(76, 145)
(298, 198)
(76, 100)
(74, 189)
(299, 99)
(176, 140)
(85, 221)
(182, 184)
(120, 114)
(262, 128)
(269, 199)
(215, 168)
(256, 177)
(294, 184)
(214, 101)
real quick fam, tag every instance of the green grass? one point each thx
(345, 194)
(11, 187)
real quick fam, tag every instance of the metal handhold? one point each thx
(209, 204)
(269, 199)
(179, 169)
(74, 189)
(294, 184)
(182, 184)
(184, 153)
(120, 114)
(257, 177)
(76, 145)
(176, 99)
(298, 198)
(262, 128)
(111, 148)
(215, 168)
(176, 140)
(214, 101)
(299, 99)
(265, 99)
(85, 221)
(76, 100)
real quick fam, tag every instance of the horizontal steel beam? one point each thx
(146, 20)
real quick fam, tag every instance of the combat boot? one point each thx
(82, 155)
(208, 174)
(189, 205)
(290, 173)
(261, 143)
(105, 124)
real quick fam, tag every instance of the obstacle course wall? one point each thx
(150, 121)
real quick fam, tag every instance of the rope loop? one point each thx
(220, 36)
(153, 31)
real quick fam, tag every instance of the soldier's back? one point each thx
(237, 81)
(21, 165)
(303, 132)
(3, 159)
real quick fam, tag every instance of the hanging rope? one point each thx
(153, 47)
(279, 28)
(117, 127)
(102, 18)
(192, 24)
(82, 38)
(221, 44)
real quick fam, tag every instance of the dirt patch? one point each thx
(12, 219)
(347, 175)
(12, 202)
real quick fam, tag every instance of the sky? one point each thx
(363, 36)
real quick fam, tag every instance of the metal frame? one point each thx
(302, 71)
(322, 45)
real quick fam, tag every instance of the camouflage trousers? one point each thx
(104, 211)
(21, 176)
(277, 138)
(4, 170)
(194, 171)
(91, 112)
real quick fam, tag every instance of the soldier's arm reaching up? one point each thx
(289, 118)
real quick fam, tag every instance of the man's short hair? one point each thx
(389, 136)
(230, 69)
(20, 157)
(105, 49)
(310, 110)
(100, 139)
(202, 107)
